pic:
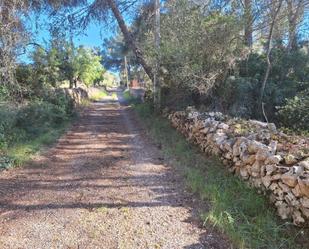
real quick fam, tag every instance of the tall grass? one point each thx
(235, 209)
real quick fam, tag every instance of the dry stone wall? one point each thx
(273, 162)
(76, 94)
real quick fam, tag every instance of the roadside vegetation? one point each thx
(38, 108)
(26, 128)
(129, 98)
(236, 57)
(235, 208)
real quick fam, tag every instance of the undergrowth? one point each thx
(235, 209)
(25, 129)
(129, 98)
(22, 151)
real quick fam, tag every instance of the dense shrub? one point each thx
(205, 62)
(40, 114)
(238, 94)
(4, 93)
(295, 113)
(33, 118)
(8, 121)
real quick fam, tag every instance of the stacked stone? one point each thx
(77, 95)
(273, 162)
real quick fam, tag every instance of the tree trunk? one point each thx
(126, 71)
(129, 40)
(294, 14)
(71, 84)
(156, 81)
(268, 50)
(248, 22)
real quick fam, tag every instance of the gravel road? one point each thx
(103, 185)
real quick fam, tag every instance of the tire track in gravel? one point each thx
(103, 185)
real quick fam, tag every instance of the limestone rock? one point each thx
(276, 177)
(273, 147)
(290, 159)
(239, 163)
(296, 191)
(304, 163)
(205, 130)
(255, 174)
(228, 145)
(258, 123)
(223, 126)
(262, 154)
(291, 200)
(262, 170)
(266, 180)
(254, 146)
(305, 212)
(264, 136)
(297, 218)
(219, 139)
(273, 186)
(248, 159)
(226, 162)
(284, 187)
(289, 179)
(283, 210)
(236, 146)
(270, 169)
(232, 169)
(272, 127)
(304, 202)
(304, 186)
(256, 167)
(283, 169)
(244, 173)
(228, 155)
(275, 159)
(297, 170)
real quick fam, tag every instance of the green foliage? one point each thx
(60, 61)
(194, 51)
(238, 94)
(22, 150)
(8, 120)
(88, 66)
(40, 114)
(24, 129)
(235, 209)
(4, 93)
(130, 99)
(109, 79)
(205, 62)
(295, 113)
(6, 162)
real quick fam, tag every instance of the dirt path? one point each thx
(104, 185)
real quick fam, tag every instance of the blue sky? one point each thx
(92, 36)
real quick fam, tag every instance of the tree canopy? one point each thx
(242, 57)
